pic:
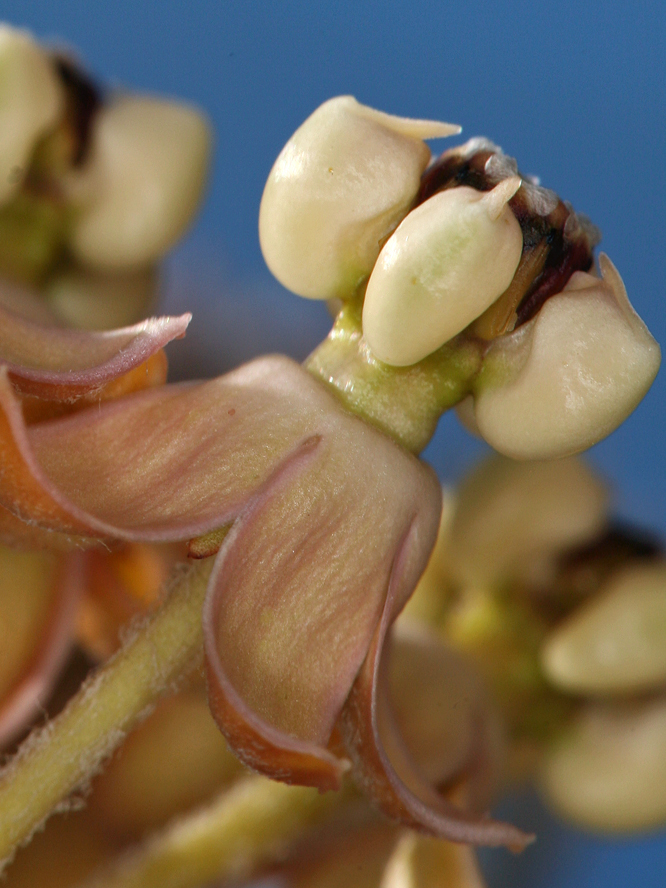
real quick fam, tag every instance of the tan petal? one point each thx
(57, 363)
(36, 627)
(118, 585)
(166, 464)
(299, 586)
(389, 770)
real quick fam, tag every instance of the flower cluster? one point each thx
(95, 187)
(563, 610)
(296, 489)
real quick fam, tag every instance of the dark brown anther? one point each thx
(83, 98)
(556, 241)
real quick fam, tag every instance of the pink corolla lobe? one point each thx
(333, 523)
(58, 363)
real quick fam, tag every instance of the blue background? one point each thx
(575, 90)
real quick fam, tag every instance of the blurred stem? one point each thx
(249, 827)
(404, 402)
(62, 756)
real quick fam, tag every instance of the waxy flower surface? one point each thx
(303, 482)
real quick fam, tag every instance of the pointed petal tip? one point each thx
(501, 194)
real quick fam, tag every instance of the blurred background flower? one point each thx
(577, 96)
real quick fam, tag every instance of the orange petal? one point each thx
(388, 769)
(119, 585)
(151, 372)
(299, 586)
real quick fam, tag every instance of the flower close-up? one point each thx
(259, 571)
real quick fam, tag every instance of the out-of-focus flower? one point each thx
(565, 616)
(32, 100)
(52, 371)
(320, 518)
(91, 186)
(475, 257)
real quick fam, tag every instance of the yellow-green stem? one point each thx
(62, 757)
(247, 828)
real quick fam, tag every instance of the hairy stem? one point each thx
(247, 828)
(61, 757)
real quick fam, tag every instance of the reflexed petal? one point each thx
(56, 363)
(568, 378)
(142, 182)
(340, 185)
(616, 642)
(36, 627)
(508, 511)
(609, 771)
(391, 772)
(444, 265)
(422, 862)
(299, 586)
(30, 103)
(165, 464)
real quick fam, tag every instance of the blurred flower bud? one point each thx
(616, 642)
(102, 301)
(609, 771)
(419, 861)
(30, 102)
(446, 263)
(141, 184)
(508, 512)
(571, 375)
(339, 187)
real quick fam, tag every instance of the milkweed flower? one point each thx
(564, 612)
(52, 371)
(95, 186)
(471, 258)
(303, 481)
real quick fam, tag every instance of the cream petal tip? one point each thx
(142, 183)
(30, 102)
(608, 772)
(339, 187)
(617, 642)
(445, 264)
(570, 377)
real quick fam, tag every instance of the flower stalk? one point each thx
(248, 827)
(63, 756)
